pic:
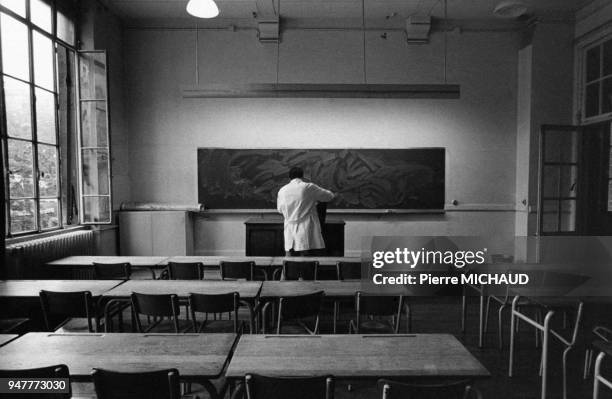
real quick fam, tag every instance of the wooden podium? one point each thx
(264, 237)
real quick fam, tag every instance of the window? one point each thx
(598, 80)
(559, 179)
(36, 82)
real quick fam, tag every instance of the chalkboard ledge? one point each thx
(329, 211)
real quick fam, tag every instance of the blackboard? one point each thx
(362, 178)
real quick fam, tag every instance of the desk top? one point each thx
(215, 260)
(349, 356)
(89, 260)
(6, 338)
(194, 355)
(31, 288)
(278, 219)
(332, 288)
(182, 288)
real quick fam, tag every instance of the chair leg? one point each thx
(463, 310)
(486, 316)
(500, 323)
(596, 372)
(587, 361)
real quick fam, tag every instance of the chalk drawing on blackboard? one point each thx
(362, 178)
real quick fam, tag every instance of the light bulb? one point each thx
(202, 8)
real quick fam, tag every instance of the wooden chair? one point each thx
(296, 270)
(58, 371)
(185, 270)
(602, 334)
(158, 307)
(348, 270)
(261, 387)
(112, 271)
(215, 305)
(450, 390)
(297, 308)
(237, 270)
(68, 311)
(161, 384)
(388, 307)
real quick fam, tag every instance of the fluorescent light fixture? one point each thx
(202, 8)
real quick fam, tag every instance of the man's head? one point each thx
(296, 173)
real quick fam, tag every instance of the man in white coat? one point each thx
(297, 201)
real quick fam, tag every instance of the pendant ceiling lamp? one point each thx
(202, 8)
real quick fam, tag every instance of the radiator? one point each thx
(27, 259)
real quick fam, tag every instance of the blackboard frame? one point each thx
(433, 158)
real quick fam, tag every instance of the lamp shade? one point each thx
(202, 8)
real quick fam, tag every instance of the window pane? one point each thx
(551, 181)
(47, 168)
(14, 36)
(23, 215)
(568, 215)
(40, 14)
(65, 28)
(49, 215)
(18, 6)
(18, 112)
(96, 209)
(607, 58)
(593, 61)
(93, 76)
(45, 116)
(606, 94)
(93, 124)
(43, 61)
(569, 181)
(550, 217)
(95, 172)
(21, 171)
(592, 100)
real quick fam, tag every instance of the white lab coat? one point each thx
(297, 202)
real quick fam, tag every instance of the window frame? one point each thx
(32, 28)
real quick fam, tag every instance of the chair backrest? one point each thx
(112, 271)
(296, 270)
(450, 390)
(58, 371)
(262, 387)
(58, 306)
(213, 303)
(157, 305)
(349, 270)
(185, 271)
(162, 384)
(299, 307)
(377, 305)
(237, 270)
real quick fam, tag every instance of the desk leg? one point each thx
(512, 332)
(336, 311)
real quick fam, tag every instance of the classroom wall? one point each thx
(478, 130)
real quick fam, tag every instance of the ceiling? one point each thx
(336, 9)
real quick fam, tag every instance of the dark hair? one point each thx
(296, 172)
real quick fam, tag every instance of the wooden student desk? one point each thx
(73, 265)
(334, 289)
(31, 288)
(248, 290)
(6, 338)
(197, 357)
(354, 356)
